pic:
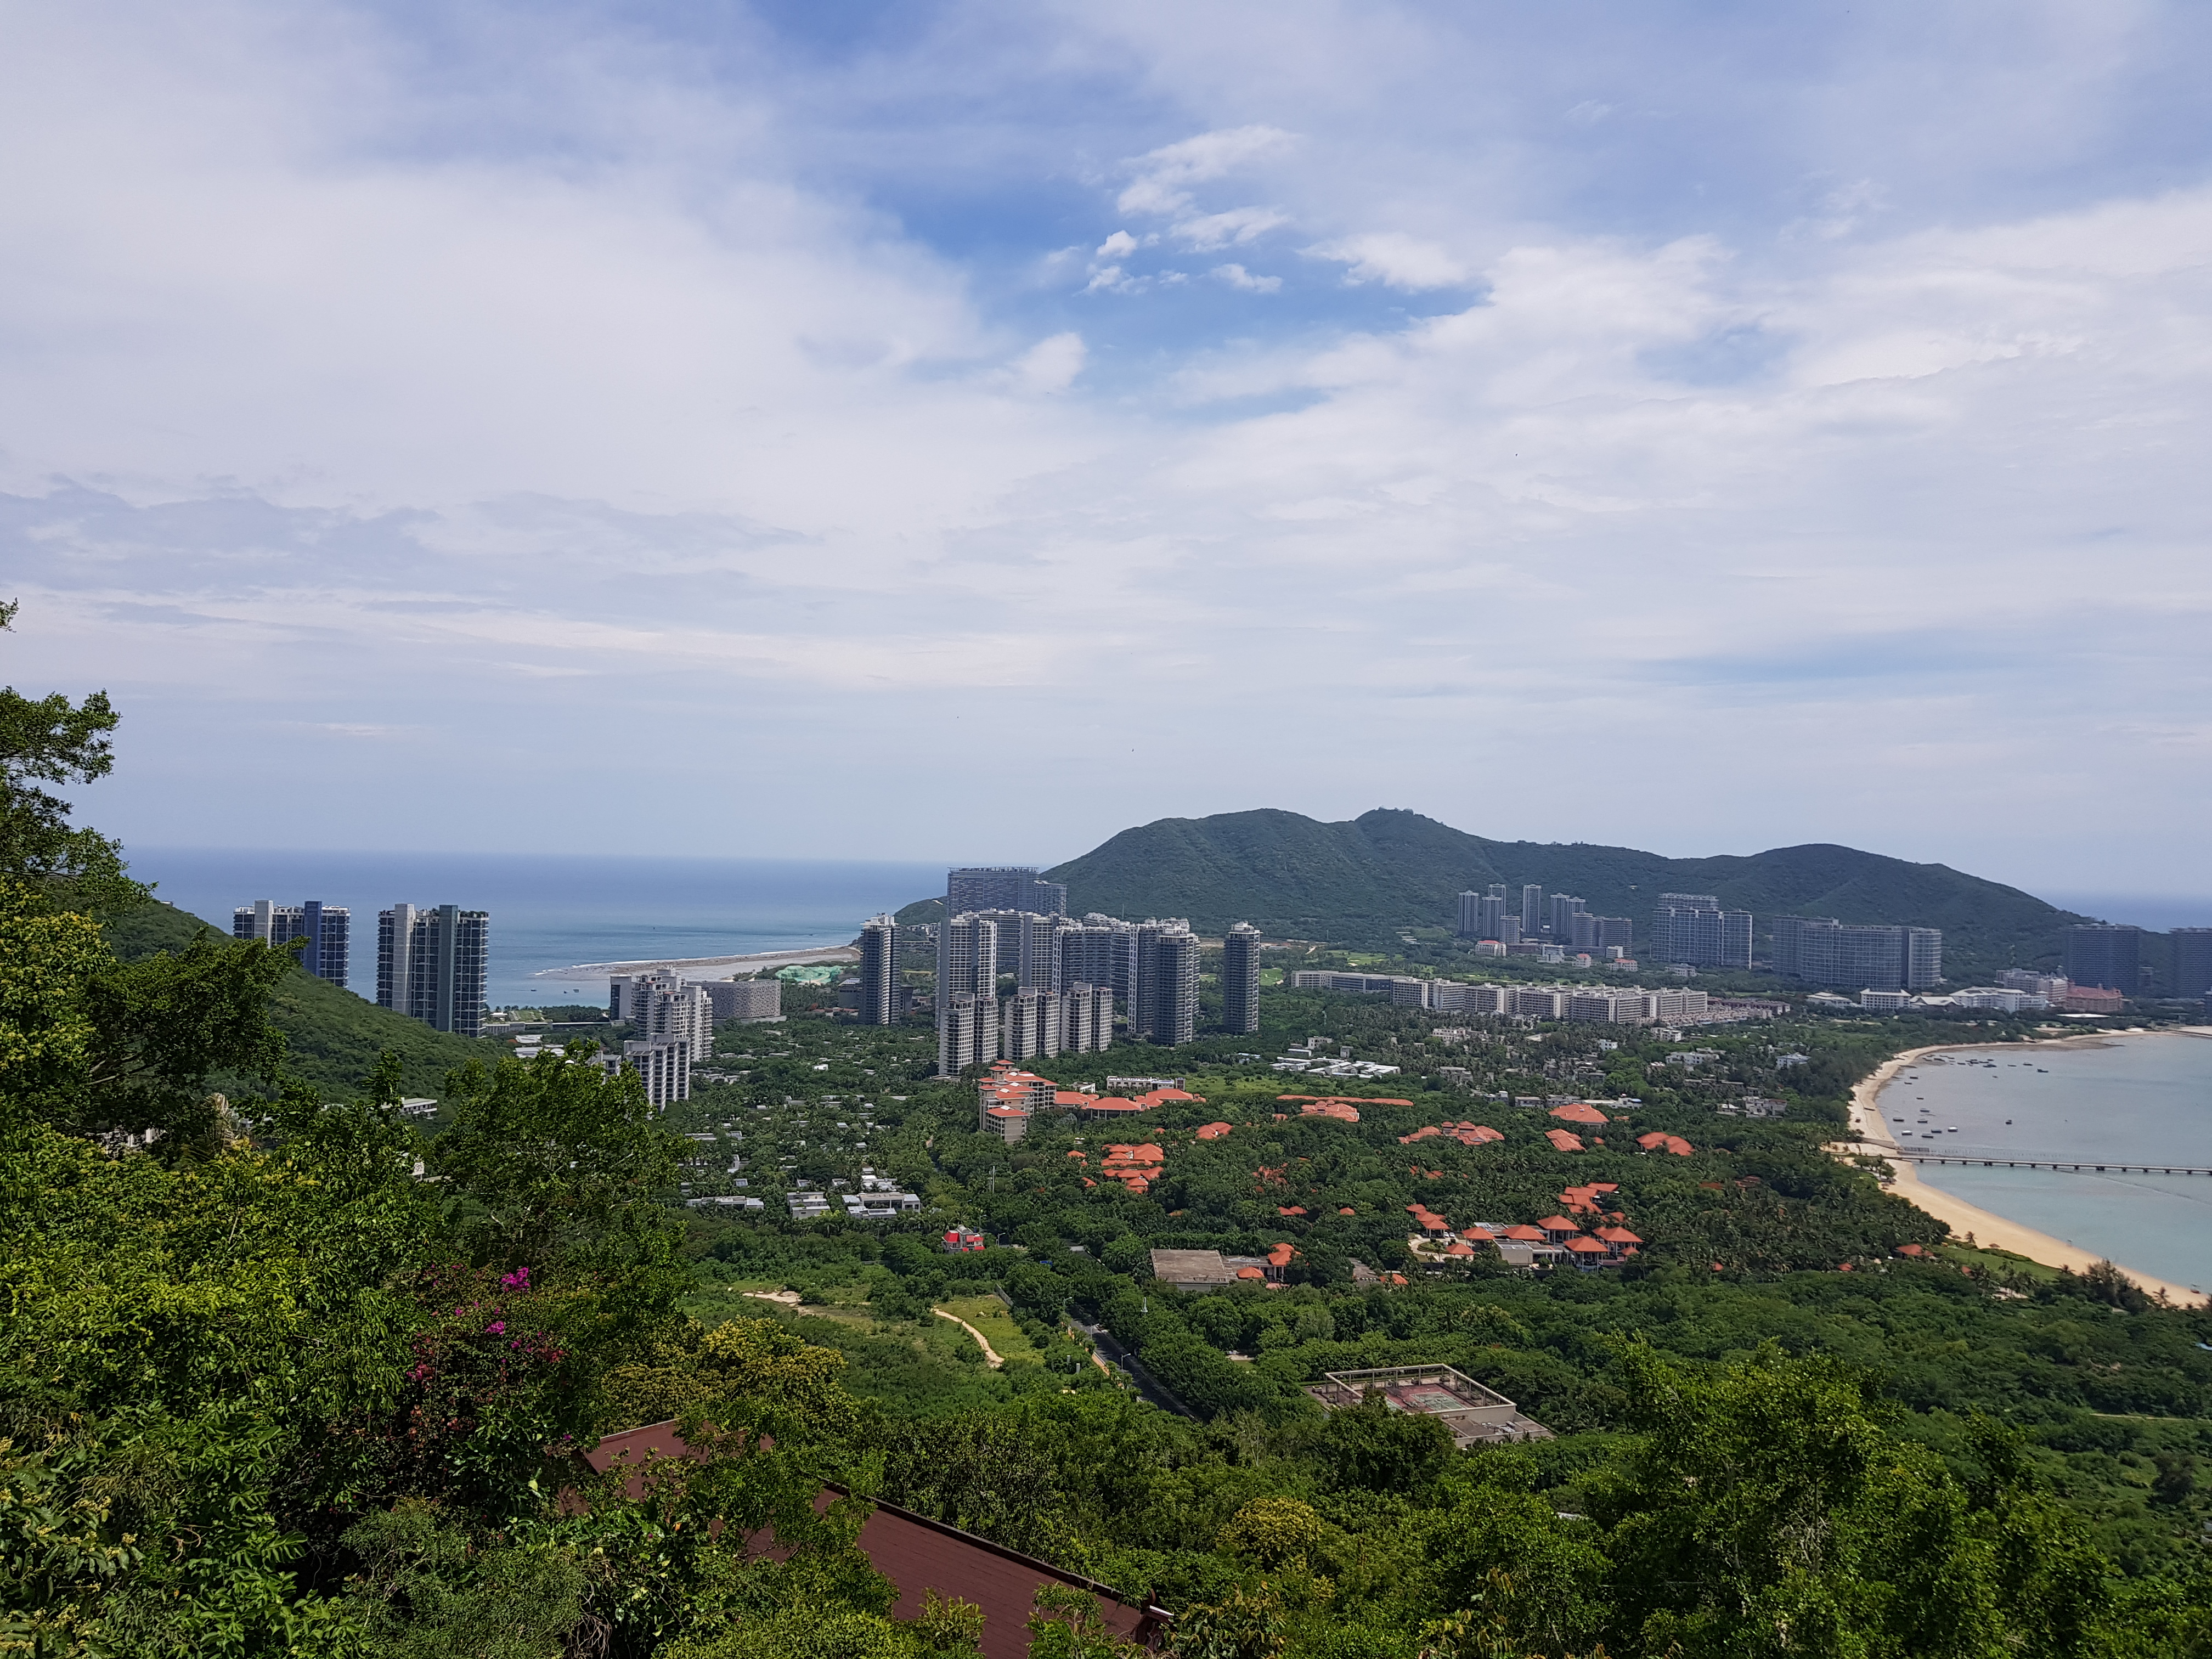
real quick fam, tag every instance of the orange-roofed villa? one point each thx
(1656, 1142)
(1214, 1131)
(1579, 1111)
(1564, 1140)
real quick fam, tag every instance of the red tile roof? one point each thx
(1563, 1142)
(1214, 1131)
(1579, 1111)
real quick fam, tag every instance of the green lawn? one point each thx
(988, 1315)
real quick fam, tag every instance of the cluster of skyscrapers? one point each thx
(1560, 918)
(672, 1023)
(1695, 930)
(430, 961)
(1069, 976)
(2111, 956)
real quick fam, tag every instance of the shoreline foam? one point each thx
(1870, 1135)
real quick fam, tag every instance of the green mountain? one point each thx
(334, 1036)
(1362, 882)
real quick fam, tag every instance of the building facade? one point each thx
(327, 928)
(880, 983)
(2192, 961)
(431, 965)
(967, 1032)
(2106, 955)
(664, 1069)
(1692, 930)
(1087, 1011)
(1032, 1025)
(661, 1008)
(742, 1000)
(1167, 994)
(1239, 979)
(1003, 887)
(1823, 951)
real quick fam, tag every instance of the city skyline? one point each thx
(1844, 420)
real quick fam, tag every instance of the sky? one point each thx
(964, 430)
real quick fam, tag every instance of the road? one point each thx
(750, 964)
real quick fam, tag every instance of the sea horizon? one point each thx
(554, 911)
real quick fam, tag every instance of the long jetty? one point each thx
(2038, 1163)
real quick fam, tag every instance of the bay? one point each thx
(554, 911)
(2123, 1099)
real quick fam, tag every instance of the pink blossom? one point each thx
(497, 1327)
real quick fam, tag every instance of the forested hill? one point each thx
(333, 1037)
(1364, 880)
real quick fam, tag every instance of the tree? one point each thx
(1370, 1445)
(51, 740)
(1765, 1506)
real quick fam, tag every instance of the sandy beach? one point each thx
(1871, 1135)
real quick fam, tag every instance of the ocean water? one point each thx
(554, 911)
(2145, 1099)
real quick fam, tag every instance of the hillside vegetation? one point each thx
(1362, 881)
(332, 1038)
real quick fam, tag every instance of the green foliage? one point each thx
(1066, 1625)
(332, 1038)
(1385, 1451)
(1362, 881)
(51, 740)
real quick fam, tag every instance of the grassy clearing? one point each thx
(988, 1315)
(2003, 1261)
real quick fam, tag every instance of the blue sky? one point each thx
(963, 430)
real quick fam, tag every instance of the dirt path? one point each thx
(990, 1354)
(1873, 1137)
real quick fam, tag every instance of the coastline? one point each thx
(1870, 1135)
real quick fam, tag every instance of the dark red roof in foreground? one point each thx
(918, 1554)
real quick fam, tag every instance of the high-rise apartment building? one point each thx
(1167, 1007)
(1003, 887)
(967, 1032)
(880, 983)
(1087, 1017)
(1031, 1025)
(745, 1000)
(1532, 911)
(1470, 916)
(2192, 962)
(1563, 909)
(661, 1008)
(664, 1069)
(1028, 947)
(1239, 979)
(967, 992)
(2105, 955)
(1692, 930)
(1086, 952)
(1821, 951)
(328, 929)
(431, 965)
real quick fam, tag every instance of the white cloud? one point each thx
(1237, 277)
(1051, 365)
(564, 403)
(1113, 279)
(1162, 173)
(1231, 228)
(1395, 259)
